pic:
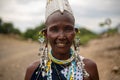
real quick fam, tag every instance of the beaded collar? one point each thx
(62, 61)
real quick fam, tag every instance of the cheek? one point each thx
(50, 36)
(71, 36)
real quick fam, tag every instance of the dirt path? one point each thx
(16, 55)
(106, 53)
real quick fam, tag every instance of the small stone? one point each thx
(39, 54)
(115, 69)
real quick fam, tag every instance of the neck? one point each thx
(61, 56)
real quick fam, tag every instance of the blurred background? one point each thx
(21, 21)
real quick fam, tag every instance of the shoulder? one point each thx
(30, 69)
(91, 68)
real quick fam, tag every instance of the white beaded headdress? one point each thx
(55, 5)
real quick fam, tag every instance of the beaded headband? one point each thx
(57, 5)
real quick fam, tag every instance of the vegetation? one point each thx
(33, 33)
(112, 31)
(84, 35)
(8, 28)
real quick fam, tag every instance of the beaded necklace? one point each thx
(70, 75)
(62, 61)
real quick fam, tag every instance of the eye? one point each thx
(54, 29)
(68, 28)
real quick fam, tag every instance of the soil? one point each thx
(16, 55)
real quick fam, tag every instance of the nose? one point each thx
(61, 35)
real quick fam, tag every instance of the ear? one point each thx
(76, 30)
(44, 32)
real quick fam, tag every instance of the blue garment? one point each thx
(56, 74)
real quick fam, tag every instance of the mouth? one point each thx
(61, 44)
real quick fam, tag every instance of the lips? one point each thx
(61, 44)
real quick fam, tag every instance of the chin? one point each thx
(62, 50)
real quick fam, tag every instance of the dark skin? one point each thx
(60, 33)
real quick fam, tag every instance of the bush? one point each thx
(8, 28)
(34, 33)
(86, 35)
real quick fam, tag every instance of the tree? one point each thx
(7, 28)
(0, 22)
(1, 25)
(34, 33)
(106, 22)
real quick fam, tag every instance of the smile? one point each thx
(61, 44)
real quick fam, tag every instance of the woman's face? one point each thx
(60, 32)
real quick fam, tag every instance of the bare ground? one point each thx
(16, 55)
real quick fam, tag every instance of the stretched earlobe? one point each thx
(76, 41)
(76, 30)
(44, 32)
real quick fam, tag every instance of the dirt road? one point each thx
(16, 55)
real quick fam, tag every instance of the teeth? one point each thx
(61, 44)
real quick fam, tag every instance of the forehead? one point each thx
(59, 17)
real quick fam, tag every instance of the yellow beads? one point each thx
(48, 65)
(61, 61)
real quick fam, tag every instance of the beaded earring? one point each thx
(43, 52)
(76, 41)
(41, 39)
(78, 59)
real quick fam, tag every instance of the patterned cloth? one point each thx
(59, 74)
(78, 73)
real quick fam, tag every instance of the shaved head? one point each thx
(58, 14)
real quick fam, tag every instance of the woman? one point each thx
(62, 62)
